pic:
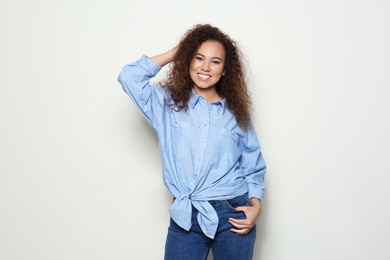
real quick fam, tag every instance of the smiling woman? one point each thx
(212, 163)
(207, 68)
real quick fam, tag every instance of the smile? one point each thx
(203, 76)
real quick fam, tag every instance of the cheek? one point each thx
(192, 74)
(193, 65)
(220, 71)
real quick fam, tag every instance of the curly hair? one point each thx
(232, 86)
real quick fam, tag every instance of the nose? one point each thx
(205, 66)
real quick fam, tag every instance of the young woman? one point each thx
(212, 163)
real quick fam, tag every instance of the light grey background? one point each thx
(80, 173)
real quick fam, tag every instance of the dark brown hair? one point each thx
(232, 86)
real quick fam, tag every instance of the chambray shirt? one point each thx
(205, 154)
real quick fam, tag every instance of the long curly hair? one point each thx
(232, 86)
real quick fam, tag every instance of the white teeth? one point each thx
(203, 76)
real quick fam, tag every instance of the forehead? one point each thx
(212, 49)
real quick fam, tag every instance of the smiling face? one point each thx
(207, 67)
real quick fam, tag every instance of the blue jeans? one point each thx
(194, 245)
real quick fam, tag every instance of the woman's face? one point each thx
(207, 66)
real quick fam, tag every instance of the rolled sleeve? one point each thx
(135, 80)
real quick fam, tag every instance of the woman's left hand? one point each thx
(252, 212)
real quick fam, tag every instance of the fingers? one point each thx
(241, 231)
(241, 208)
(241, 223)
(241, 226)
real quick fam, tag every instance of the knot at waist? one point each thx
(181, 213)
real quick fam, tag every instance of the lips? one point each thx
(204, 76)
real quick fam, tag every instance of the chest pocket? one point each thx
(228, 142)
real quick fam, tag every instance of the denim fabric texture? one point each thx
(226, 245)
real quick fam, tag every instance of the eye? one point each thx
(198, 58)
(216, 62)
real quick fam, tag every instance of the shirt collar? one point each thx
(195, 98)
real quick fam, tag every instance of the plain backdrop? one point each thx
(80, 172)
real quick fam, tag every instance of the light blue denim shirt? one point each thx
(205, 154)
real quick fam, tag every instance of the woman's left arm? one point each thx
(254, 167)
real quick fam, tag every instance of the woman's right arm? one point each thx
(164, 58)
(135, 80)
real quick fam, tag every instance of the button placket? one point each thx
(205, 119)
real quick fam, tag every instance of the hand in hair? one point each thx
(164, 58)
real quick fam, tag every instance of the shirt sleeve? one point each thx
(135, 80)
(253, 164)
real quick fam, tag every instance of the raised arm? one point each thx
(164, 58)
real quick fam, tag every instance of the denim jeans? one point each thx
(194, 245)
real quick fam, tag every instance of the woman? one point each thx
(212, 163)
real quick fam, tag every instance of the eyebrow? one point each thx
(211, 57)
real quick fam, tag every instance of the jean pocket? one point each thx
(238, 201)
